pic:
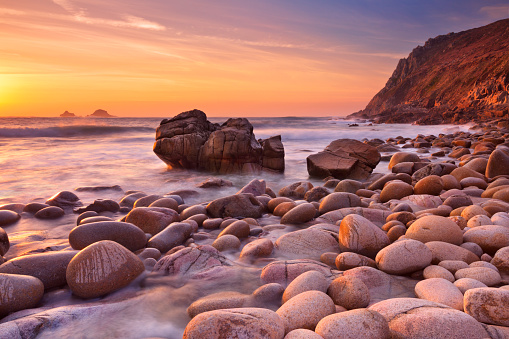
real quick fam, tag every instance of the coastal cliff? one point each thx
(453, 78)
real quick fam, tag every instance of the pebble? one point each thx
(307, 243)
(4, 242)
(403, 257)
(172, 236)
(465, 284)
(299, 214)
(302, 333)
(227, 242)
(441, 291)
(358, 234)
(453, 265)
(360, 323)
(19, 292)
(490, 238)
(337, 200)
(51, 212)
(307, 281)
(501, 259)
(258, 248)
(431, 184)
(238, 205)
(435, 271)
(152, 220)
(238, 228)
(435, 228)
(165, 203)
(349, 292)
(64, 199)
(101, 268)
(8, 217)
(396, 190)
(146, 200)
(485, 275)
(444, 251)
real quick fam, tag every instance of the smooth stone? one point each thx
(501, 259)
(349, 292)
(273, 203)
(423, 200)
(101, 268)
(152, 220)
(400, 157)
(149, 253)
(19, 292)
(441, 291)
(316, 194)
(238, 228)
(101, 205)
(94, 219)
(173, 235)
(488, 305)
(307, 243)
(370, 276)
(465, 284)
(453, 265)
(258, 248)
(123, 233)
(51, 212)
(284, 208)
(193, 210)
(500, 218)
(396, 232)
(238, 205)
(130, 199)
(485, 275)
(455, 201)
(347, 185)
(355, 324)
(165, 203)
(473, 247)
(255, 323)
(461, 173)
(348, 260)
(403, 257)
(395, 190)
(255, 187)
(215, 183)
(338, 200)
(423, 319)
(8, 217)
(435, 271)
(212, 223)
(431, 184)
(307, 281)
(435, 228)
(146, 200)
(305, 310)
(18, 208)
(226, 243)
(299, 214)
(471, 211)
(48, 267)
(284, 272)
(479, 220)
(358, 234)
(491, 238)
(444, 251)
(218, 301)
(34, 207)
(498, 163)
(4, 242)
(64, 199)
(302, 333)
(482, 263)
(84, 215)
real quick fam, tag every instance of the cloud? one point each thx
(8, 11)
(80, 14)
(495, 12)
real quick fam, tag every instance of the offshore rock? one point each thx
(190, 141)
(344, 159)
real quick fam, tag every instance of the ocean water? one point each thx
(42, 156)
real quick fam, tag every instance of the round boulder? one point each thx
(349, 292)
(19, 292)
(435, 228)
(361, 323)
(358, 234)
(403, 257)
(441, 291)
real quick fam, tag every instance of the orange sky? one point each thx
(225, 57)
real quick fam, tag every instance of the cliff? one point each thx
(453, 78)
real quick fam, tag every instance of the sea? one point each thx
(42, 156)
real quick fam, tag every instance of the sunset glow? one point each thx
(250, 58)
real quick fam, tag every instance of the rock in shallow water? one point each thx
(238, 205)
(19, 292)
(8, 217)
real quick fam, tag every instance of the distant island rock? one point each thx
(453, 78)
(100, 113)
(190, 141)
(67, 114)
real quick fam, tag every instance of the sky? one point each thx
(225, 57)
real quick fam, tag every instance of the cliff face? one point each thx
(453, 78)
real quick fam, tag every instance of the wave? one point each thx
(70, 131)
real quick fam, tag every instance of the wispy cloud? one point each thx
(9, 11)
(81, 15)
(495, 12)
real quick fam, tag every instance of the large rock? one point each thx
(435, 228)
(152, 219)
(361, 323)
(190, 141)
(344, 158)
(307, 243)
(358, 234)
(498, 164)
(19, 292)
(403, 257)
(243, 205)
(256, 323)
(101, 268)
(488, 305)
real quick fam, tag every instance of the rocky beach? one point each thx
(416, 248)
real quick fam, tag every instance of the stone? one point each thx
(498, 164)
(101, 268)
(348, 186)
(8, 217)
(296, 190)
(465, 284)
(101, 205)
(435, 228)
(307, 281)
(488, 305)
(441, 291)
(48, 267)
(399, 157)
(445, 251)
(501, 259)
(239, 228)
(305, 310)
(192, 210)
(307, 243)
(360, 323)
(479, 220)
(456, 201)
(273, 203)
(126, 234)
(316, 194)
(19, 292)
(301, 333)
(238, 205)
(172, 236)
(396, 232)
(349, 292)
(284, 272)
(472, 210)
(152, 220)
(273, 153)
(418, 318)
(218, 301)
(129, 200)
(432, 185)
(258, 248)
(4, 242)
(395, 190)
(453, 265)
(255, 187)
(94, 219)
(269, 293)
(227, 242)
(348, 260)
(146, 200)
(358, 234)
(461, 173)
(435, 271)
(491, 238)
(403, 257)
(283, 208)
(212, 223)
(34, 207)
(256, 323)
(215, 183)
(500, 218)
(51, 212)
(337, 200)
(64, 199)
(485, 275)
(344, 159)
(474, 248)
(299, 214)
(165, 203)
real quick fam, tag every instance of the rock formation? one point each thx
(67, 114)
(190, 141)
(344, 158)
(100, 113)
(453, 78)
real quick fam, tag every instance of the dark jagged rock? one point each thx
(344, 159)
(453, 78)
(190, 141)
(100, 113)
(67, 114)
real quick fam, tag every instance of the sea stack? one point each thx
(100, 113)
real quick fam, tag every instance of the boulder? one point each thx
(441, 291)
(307, 243)
(349, 292)
(284, 272)
(403, 257)
(400, 157)
(4, 242)
(101, 205)
(19, 292)
(361, 323)
(8, 217)
(173, 235)
(498, 164)
(358, 234)
(344, 159)
(488, 305)
(307, 281)
(64, 199)
(238, 205)
(445, 251)
(435, 228)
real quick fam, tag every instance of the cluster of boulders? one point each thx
(190, 141)
(421, 252)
